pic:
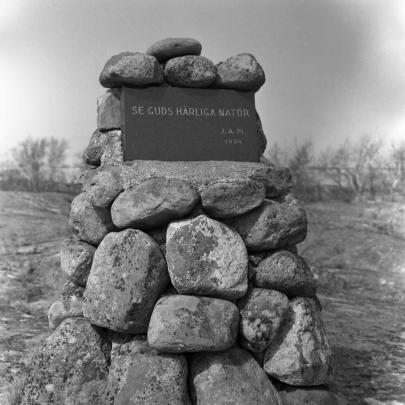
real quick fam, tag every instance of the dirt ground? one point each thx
(356, 251)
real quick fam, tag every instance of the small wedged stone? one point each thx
(76, 258)
(65, 364)
(227, 200)
(261, 315)
(184, 323)
(153, 203)
(301, 355)
(190, 71)
(309, 395)
(131, 69)
(140, 375)
(90, 223)
(126, 278)
(59, 311)
(103, 189)
(286, 272)
(205, 257)
(230, 377)
(104, 148)
(201, 174)
(240, 72)
(109, 110)
(273, 225)
(169, 48)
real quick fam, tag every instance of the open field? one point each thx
(356, 251)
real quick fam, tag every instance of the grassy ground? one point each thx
(356, 251)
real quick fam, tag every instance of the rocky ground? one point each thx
(356, 251)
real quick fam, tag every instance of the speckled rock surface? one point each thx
(173, 47)
(131, 69)
(66, 363)
(226, 200)
(140, 375)
(230, 377)
(287, 272)
(301, 355)
(241, 72)
(104, 148)
(310, 396)
(261, 314)
(154, 203)
(90, 223)
(104, 188)
(205, 257)
(199, 174)
(190, 71)
(184, 323)
(127, 276)
(273, 225)
(59, 311)
(76, 258)
(109, 110)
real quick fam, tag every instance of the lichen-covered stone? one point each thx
(261, 314)
(109, 110)
(154, 203)
(200, 174)
(169, 48)
(104, 147)
(59, 312)
(103, 189)
(76, 258)
(309, 395)
(230, 377)
(190, 71)
(184, 323)
(273, 225)
(226, 200)
(241, 72)
(65, 364)
(127, 276)
(287, 272)
(205, 257)
(140, 375)
(131, 69)
(90, 223)
(301, 355)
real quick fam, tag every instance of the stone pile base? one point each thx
(185, 288)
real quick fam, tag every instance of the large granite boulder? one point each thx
(190, 71)
(153, 203)
(205, 257)
(169, 48)
(104, 147)
(140, 375)
(66, 364)
(227, 200)
(261, 315)
(103, 189)
(286, 272)
(231, 377)
(301, 354)
(76, 258)
(184, 323)
(127, 276)
(90, 223)
(241, 72)
(131, 69)
(273, 225)
(310, 396)
(109, 110)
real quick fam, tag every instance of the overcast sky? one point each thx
(334, 68)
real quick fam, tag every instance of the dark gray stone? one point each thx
(169, 48)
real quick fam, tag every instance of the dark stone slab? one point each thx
(182, 124)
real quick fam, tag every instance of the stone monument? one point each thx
(185, 286)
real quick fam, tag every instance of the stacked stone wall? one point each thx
(185, 285)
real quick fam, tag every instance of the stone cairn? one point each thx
(185, 286)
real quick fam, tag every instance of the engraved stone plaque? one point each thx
(172, 123)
